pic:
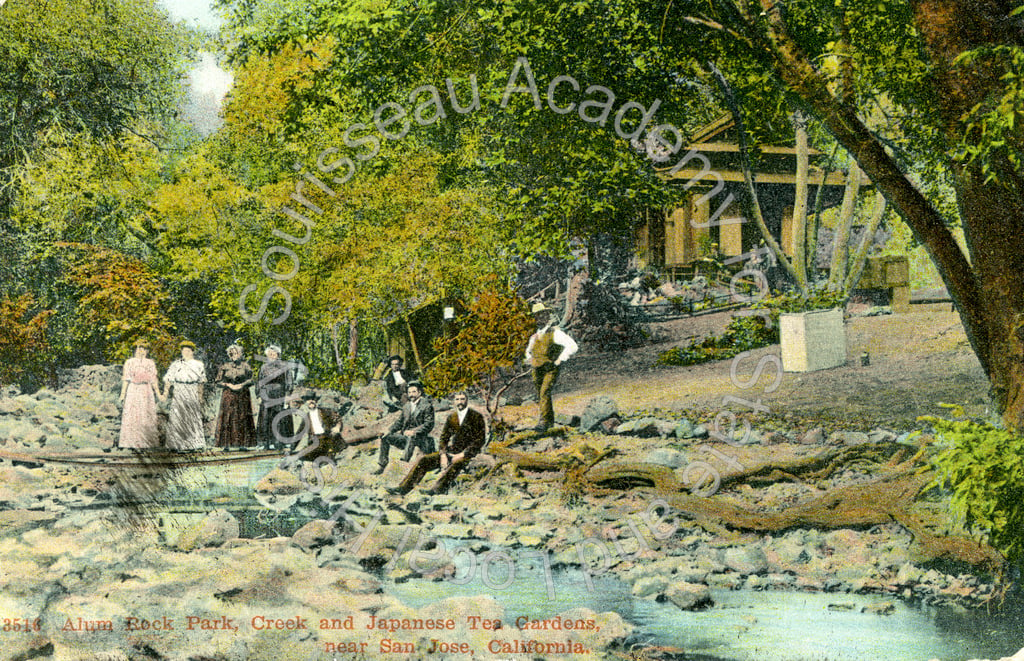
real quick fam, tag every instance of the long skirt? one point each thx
(185, 426)
(235, 428)
(138, 418)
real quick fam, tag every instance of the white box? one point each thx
(813, 340)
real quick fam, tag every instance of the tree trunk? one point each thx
(992, 211)
(753, 204)
(353, 340)
(861, 255)
(337, 349)
(841, 237)
(800, 201)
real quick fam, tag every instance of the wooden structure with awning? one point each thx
(673, 241)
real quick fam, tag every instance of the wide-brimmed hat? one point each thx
(272, 347)
(186, 343)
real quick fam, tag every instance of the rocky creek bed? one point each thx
(249, 556)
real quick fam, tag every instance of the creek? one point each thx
(743, 625)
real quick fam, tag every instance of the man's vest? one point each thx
(545, 349)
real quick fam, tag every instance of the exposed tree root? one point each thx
(888, 498)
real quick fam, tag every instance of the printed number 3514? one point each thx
(20, 624)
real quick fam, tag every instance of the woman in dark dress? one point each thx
(272, 386)
(235, 428)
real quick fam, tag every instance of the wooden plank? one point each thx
(814, 178)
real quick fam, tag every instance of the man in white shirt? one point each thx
(395, 384)
(548, 348)
(462, 438)
(321, 426)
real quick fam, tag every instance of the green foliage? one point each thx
(993, 135)
(23, 342)
(819, 299)
(95, 68)
(742, 334)
(484, 349)
(750, 332)
(984, 468)
(554, 176)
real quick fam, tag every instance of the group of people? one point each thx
(462, 436)
(183, 384)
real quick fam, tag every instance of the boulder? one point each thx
(883, 608)
(689, 596)
(881, 436)
(359, 417)
(280, 482)
(814, 436)
(666, 457)
(598, 410)
(314, 534)
(848, 438)
(650, 586)
(745, 560)
(643, 427)
(216, 529)
(683, 429)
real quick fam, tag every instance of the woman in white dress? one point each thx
(185, 378)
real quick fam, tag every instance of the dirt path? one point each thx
(918, 359)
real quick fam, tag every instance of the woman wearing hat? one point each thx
(185, 378)
(139, 391)
(235, 428)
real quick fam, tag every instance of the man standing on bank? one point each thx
(548, 348)
(462, 438)
(411, 430)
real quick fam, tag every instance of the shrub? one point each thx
(486, 349)
(121, 300)
(747, 333)
(23, 342)
(983, 466)
(742, 334)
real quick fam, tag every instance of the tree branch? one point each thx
(799, 76)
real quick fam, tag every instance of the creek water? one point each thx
(743, 625)
(747, 625)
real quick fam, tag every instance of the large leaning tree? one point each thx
(948, 72)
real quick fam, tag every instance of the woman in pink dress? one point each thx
(139, 390)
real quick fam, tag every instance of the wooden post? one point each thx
(412, 340)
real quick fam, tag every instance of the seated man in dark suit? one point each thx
(395, 384)
(462, 438)
(412, 429)
(322, 428)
